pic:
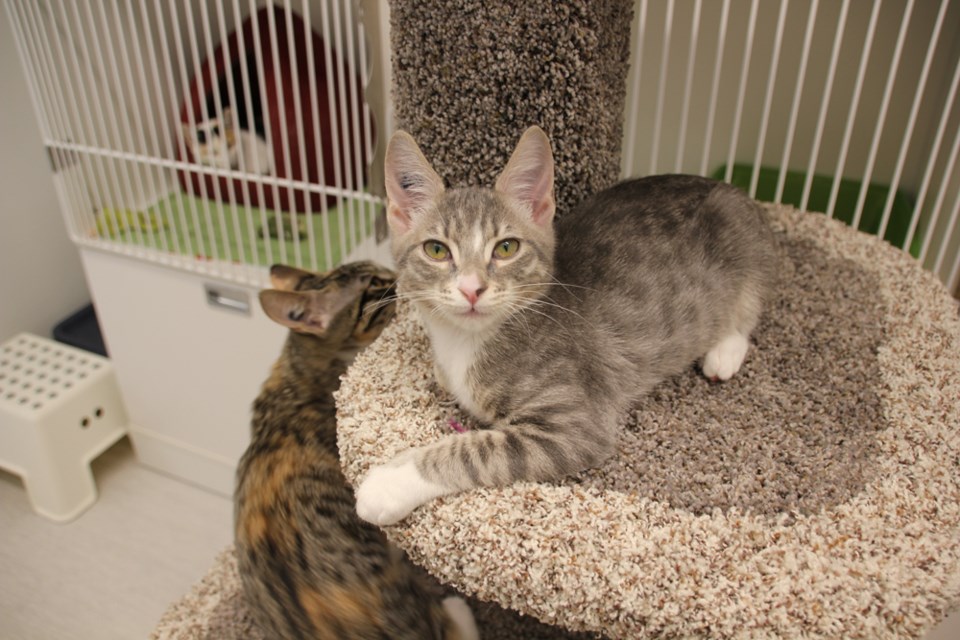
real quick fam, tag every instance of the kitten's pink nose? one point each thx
(471, 287)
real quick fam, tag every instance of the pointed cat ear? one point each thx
(411, 182)
(303, 311)
(528, 176)
(286, 278)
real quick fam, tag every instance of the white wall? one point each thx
(688, 158)
(42, 281)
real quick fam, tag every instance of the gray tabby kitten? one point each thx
(549, 337)
(309, 567)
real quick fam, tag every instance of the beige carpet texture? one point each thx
(214, 609)
(815, 495)
(468, 77)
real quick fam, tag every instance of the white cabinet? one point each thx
(188, 370)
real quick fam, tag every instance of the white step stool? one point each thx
(59, 409)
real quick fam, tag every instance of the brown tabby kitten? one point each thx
(549, 335)
(310, 568)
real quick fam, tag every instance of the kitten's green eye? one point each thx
(436, 250)
(506, 248)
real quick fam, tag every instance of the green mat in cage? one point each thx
(211, 230)
(847, 195)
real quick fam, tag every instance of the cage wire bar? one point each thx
(108, 81)
(807, 103)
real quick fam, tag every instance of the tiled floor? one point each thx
(113, 571)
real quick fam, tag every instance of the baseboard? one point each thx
(183, 461)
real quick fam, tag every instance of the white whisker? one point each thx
(521, 308)
(515, 310)
(550, 302)
(556, 282)
(382, 302)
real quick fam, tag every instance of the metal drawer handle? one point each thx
(232, 299)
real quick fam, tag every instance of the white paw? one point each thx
(725, 359)
(459, 611)
(390, 492)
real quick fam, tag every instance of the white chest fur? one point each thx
(455, 352)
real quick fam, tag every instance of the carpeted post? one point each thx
(470, 76)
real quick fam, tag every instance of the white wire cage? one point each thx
(126, 92)
(844, 107)
(848, 108)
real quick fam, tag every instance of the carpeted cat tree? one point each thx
(817, 494)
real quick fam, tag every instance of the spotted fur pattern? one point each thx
(309, 567)
(551, 345)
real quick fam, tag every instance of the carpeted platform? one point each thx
(214, 610)
(817, 494)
